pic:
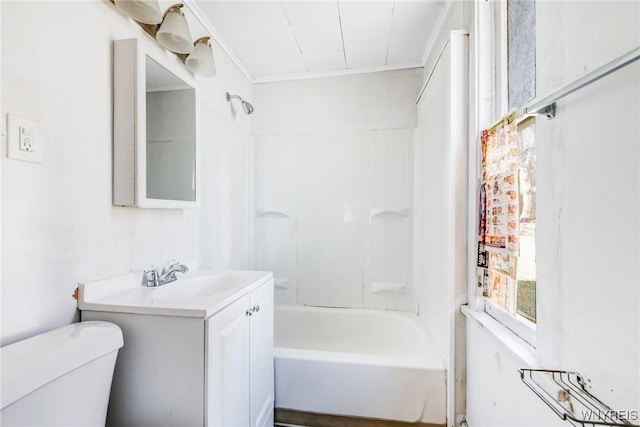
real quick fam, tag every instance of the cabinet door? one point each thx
(261, 370)
(228, 366)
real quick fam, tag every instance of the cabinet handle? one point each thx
(248, 312)
(256, 308)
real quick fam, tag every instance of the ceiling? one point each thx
(278, 40)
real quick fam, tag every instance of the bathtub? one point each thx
(357, 363)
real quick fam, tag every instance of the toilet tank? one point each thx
(61, 377)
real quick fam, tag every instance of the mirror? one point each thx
(155, 129)
(171, 167)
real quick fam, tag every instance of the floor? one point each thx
(288, 418)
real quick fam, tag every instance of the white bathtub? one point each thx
(360, 363)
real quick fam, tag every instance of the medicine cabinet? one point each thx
(155, 138)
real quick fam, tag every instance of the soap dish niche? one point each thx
(400, 212)
(378, 287)
(274, 213)
(281, 283)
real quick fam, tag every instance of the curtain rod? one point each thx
(547, 105)
(435, 64)
(433, 69)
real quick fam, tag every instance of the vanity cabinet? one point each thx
(181, 371)
(240, 362)
(261, 365)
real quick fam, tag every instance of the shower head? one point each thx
(248, 108)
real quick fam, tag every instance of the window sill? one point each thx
(523, 329)
(520, 350)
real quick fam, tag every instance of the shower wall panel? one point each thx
(275, 214)
(390, 222)
(348, 141)
(332, 174)
(334, 217)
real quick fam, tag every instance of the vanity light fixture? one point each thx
(171, 30)
(145, 11)
(200, 61)
(174, 32)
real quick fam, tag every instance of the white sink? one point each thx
(198, 293)
(196, 287)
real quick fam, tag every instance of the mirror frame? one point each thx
(129, 123)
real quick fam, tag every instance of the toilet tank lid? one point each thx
(33, 362)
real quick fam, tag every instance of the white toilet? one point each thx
(59, 378)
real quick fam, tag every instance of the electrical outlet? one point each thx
(24, 139)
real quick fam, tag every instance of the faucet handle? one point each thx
(169, 265)
(151, 277)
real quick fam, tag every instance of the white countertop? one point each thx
(126, 294)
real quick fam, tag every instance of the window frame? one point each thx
(522, 327)
(500, 57)
(519, 325)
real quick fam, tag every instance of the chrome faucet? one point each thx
(150, 278)
(157, 277)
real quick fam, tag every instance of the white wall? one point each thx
(357, 102)
(58, 225)
(495, 394)
(223, 221)
(589, 176)
(328, 151)
(441, 176)
(434, 118)
(588, 233)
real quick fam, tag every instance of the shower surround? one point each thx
(334, 190)
(335, 218)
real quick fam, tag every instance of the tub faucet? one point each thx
(157, 277)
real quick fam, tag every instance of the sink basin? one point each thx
(195, 287)
(198, 293)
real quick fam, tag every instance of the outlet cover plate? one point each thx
(24, 139)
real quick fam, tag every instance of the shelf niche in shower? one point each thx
(387, 287)
(281, 283)
(401, 212)
(262, 213)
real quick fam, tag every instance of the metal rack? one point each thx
(566, 394)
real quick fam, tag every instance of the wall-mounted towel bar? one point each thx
(547, 105)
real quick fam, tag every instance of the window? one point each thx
(507, 211)
(521, 52)
(526, 261)
(506, 245)
(514, 54)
